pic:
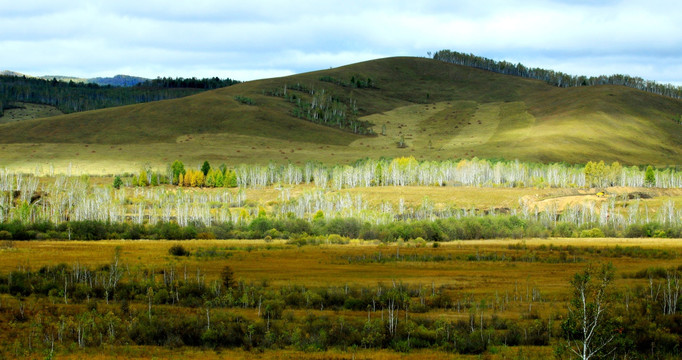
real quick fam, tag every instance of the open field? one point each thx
(280, 264)
(442, 111)
(528, 278)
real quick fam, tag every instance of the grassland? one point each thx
(442, 111)
(465, 271)
(27, 111)
(280, 264)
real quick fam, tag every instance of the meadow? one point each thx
(492, 288)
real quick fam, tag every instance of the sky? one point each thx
(248, 40)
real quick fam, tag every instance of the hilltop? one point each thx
(118, 80)
(438, 110)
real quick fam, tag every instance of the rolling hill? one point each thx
(440, 110)
(118, 80)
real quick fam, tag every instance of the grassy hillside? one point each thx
(24, 111)
(439, 109)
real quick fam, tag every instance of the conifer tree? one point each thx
(205, 167)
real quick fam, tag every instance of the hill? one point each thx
(438, 110)
(118, 80)
(10, 73)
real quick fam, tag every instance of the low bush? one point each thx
(178, 250)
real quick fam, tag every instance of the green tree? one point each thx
(230, 179)
(177, 168)
(589, 327)
(143, 178)
(650, 176)
(205, 167)
(319, 216)
(595, 173)
(117, 182)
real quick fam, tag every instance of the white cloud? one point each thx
(261, 38)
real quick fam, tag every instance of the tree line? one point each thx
(323, 230)
(25, 200)
(408, 171)
(176, 174)
(189, 83)
(557, 78)
(71, 97)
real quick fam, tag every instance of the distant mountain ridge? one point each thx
(118, 80)
(10, 73)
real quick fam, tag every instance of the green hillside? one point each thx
(440, 110)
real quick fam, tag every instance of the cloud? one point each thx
(261, 38)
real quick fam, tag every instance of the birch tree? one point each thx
(589, 328)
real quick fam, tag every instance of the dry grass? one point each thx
(463, 197)
(280, 264)
(327, 265)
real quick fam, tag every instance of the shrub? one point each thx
(178, 250)
(564, 229)
(5, 235)
(348, 227)
(337, 239)
(592, 233)
(244, 100)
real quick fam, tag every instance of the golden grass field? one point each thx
(280, 264)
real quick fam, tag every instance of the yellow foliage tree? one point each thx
(595, 173)
(143, 178)
(199, 178)
(189, 178)
(193, 178)
(405, 162)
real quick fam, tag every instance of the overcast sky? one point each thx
(255, 39)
